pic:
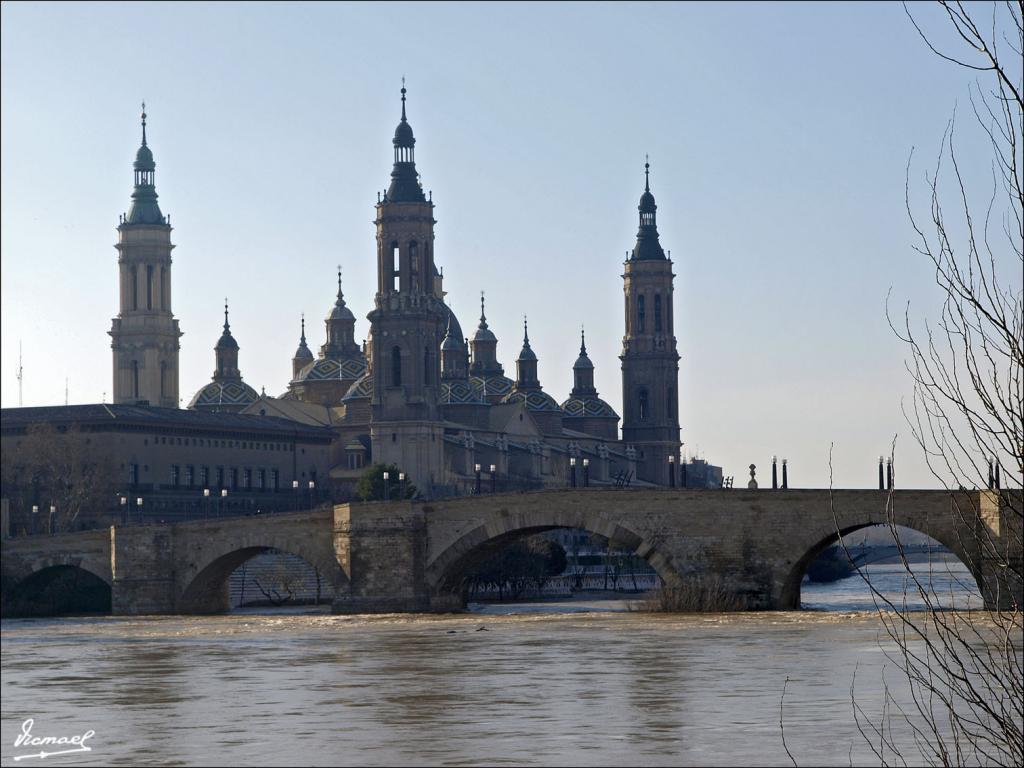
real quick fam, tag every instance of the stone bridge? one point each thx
(412, 556)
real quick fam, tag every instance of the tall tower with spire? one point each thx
(650, 362)
(145, 335)
(408, 323)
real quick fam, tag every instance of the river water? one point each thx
(572, 683)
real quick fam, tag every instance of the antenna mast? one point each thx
(20, 375)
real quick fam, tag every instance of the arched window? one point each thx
(135, 378)
(640, 314)
(164, 301)
(657, 313)
(163, 379)
(396, 366)
(396, 267)
(135, 286)
(414, 264)
(644, 407)
(149, 287)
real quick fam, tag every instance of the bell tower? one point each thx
(650, 362)
(407, 324)
(145, 335)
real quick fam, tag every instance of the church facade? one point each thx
(418, 393)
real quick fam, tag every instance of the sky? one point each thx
(779, 137)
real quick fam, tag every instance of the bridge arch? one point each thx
(204, 584)
(58, 587)
(818, 541)
(444, 571)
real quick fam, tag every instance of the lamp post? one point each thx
(775, 475)
(206, 503)
(312, 487)
(387, 486)
(476, 469)
(586, 473)
(223, 499)
(494, 471)
(295, 487)
(138, 508)
(572, 471)
(123, 500)
(401, 484)
(785, 478)
(671, 471)
(682, 467)
(888, 472)
(881, 473)
(35, 518)
(53, 511)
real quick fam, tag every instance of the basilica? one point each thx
(419, 393)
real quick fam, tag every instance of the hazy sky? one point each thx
(778, 136)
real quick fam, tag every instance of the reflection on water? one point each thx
(550, 686)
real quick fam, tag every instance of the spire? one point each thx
(226, 352)
(526, 353)
(405, 185)
(302, 356)
(647, 243)
(144, 208)
(583, 342)
(526, 364)
(483, 317)
(302, 338)
(341, 297)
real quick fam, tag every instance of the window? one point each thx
(135, 378)
(657, 313)
(204, 476)
(220, 477)
(640, 314)
(247, 478)
(190, 476)
(135, 286)
(149, 287)
(644, 408)
(396, 367)
(414, 263)
(274, 479)
(175, 475)
(261, 479)
(395, 267)
(133, 474)
(426, 365)
(234, 478)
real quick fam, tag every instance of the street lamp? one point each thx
(572, 471)
(881, 474)
(138, 508)
(124, 510)
(387, 488)
(785, 480)
(206, 503)
(53, 511)
(476, 468)
(312, 485)
(494, 470)
(775, 476)
(223, 498)
(295, 487)
(586, 473)
(671, 471)
(35, 518)
(401, 484)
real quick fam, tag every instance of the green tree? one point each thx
(371, 484)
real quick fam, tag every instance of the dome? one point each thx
(303, 353)
(579, 407)
(647, 204)
(535, 401)
(341, 312)
(403, 134)
(484, 334)
(361, 389)
(452, 343)
(582, 362)
(226, 341)
(452, 323)
(234, 395)
(493, 385)
(526, 353)
(144, 159)
(326, 368)
(461, 393)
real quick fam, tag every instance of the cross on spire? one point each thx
(226, 326)
(647, 173)
(583, 341)
(302, 338)
(143, 116)
(403, 98)
(339, 281)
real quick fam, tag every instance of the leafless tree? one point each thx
(962, 665)
(65, 470)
